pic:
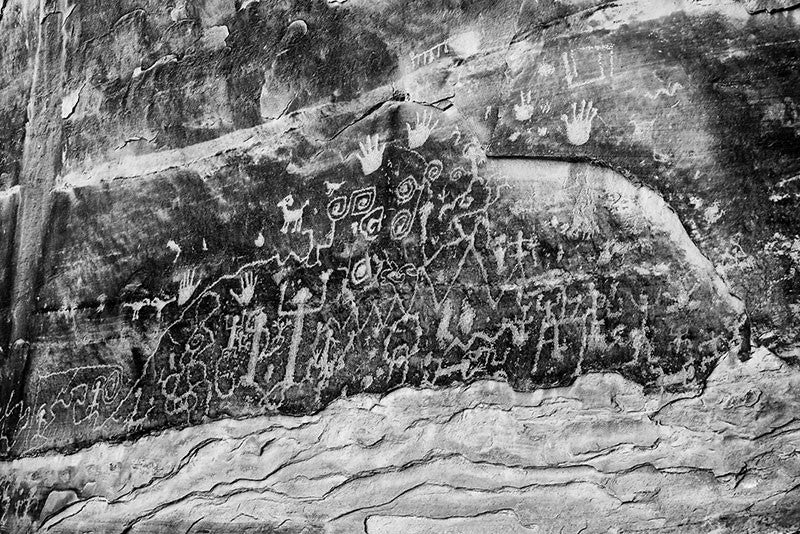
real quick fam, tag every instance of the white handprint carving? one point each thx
(420, 133)
(524, 110)
(248, 283)
(187, 286)
(580, 127)
(371, 155)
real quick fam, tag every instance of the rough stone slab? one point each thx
(598, 455)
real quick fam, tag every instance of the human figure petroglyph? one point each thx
(458, 257)
(300, 302)
(476, 155)
(579, 127)
(371, 155)
(291, 217)
(422, 129)
(259, 327)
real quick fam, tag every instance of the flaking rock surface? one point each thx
(343, 266)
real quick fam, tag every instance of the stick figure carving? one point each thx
(371, 155)
(293, 217)
(580, 127)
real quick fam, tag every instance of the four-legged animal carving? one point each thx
(293, 217)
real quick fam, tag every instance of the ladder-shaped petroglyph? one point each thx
(588, 64)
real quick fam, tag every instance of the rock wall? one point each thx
(446, 265)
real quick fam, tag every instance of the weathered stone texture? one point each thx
(599, 456)
(359, 239)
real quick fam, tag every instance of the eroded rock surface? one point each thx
(596, 456)
(222, 216)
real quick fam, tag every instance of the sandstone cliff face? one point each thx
(307, 266)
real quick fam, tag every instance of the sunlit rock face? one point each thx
(399, 266)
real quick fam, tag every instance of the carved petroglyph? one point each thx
(579, 127)
(248, 287)
(371, 155)
(524, 110)
(159, 304)
(291, 217)
(462, 45)
(331, 187)
(672, 90)
(430, 55)
(300, 302)
(136, 307)
(187, 286)
(424, 125)
(588, 64)
(428, 271)
(174, 247)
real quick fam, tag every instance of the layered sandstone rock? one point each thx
(362, 239)
(599, 456)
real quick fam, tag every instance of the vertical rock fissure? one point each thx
(41, 163)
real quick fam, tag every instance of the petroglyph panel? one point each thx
(341, 266)
(418, 266)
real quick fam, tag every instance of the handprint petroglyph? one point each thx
(187, 286)
(371, 155)
(421, 131)
(248, 284)
(524, 110)
(580, 127)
